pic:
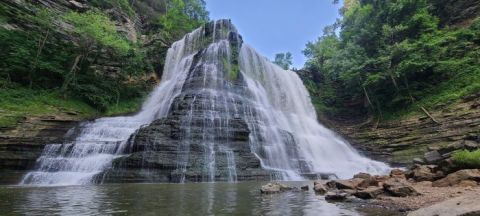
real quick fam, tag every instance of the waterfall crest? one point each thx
(221, 112)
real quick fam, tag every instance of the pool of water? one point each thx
(164, 199)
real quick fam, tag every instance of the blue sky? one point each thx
(273, 26)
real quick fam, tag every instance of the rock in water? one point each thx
(319, 188)
(336, 196)
(304, 188)
(276, 187)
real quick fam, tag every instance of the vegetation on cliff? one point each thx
(86, 58)
(467, 159)
(393, 58)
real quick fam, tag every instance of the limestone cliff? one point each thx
(398, 142)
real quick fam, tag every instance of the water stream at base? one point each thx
(279, 114)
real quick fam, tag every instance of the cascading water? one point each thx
(101, 141)
(217, 96)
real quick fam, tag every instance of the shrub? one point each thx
(467, 159)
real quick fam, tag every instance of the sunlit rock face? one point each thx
(221, 113)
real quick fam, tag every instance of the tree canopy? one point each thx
(390, 55)
(284, 60)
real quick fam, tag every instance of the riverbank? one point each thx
(428, 196)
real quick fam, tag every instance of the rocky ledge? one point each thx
(398, 142)
(20, 146)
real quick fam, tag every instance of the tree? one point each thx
(183, 16)
(390, 54)
(284, 60)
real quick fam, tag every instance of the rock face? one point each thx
(20, 146)
(399, 142)
(203, 137)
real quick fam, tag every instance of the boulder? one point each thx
(426, 173)
(399, 188)
(319, 188)
(369, 179)
(471, 145)
(432, 157)
(276, 187)
(397, 173)
(369, 193)
(362, 176)
(347, 184)
(305, 188)
(418, 161)
(456, 177)
(336, 196)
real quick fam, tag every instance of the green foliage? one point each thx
(183, 16)
(94, 26)
(284, 60)
(466, 159)
(39, 71)
(125, 6)
(122, 5)
(15, 104)
(392, 57)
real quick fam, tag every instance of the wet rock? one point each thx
(319, 188)
(305, 188)
(347, 184)
(369, 193)
(456, 177)
(399, 188)
(369, 179)
(336, 196)
(276, 187)
(362, 176)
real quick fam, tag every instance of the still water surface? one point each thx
(163, 199)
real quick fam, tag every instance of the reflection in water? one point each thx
(162, 199)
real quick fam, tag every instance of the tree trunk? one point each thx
(368, 98)
(429, 115)
(71, 74)
(39, 51)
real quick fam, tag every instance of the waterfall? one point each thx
(101, 141)
(211, 86)
(284, 106)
